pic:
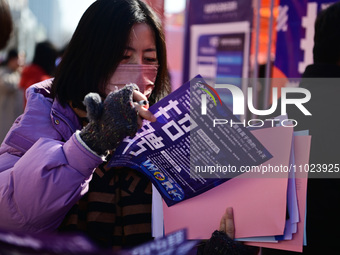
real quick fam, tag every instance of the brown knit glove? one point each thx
(109, 121)
(221, 244)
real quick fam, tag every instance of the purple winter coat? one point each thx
(44, 169)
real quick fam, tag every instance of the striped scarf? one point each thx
(116, 211)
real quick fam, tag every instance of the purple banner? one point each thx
(19, 243)
(295, 34)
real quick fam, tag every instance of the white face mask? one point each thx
(142, 75)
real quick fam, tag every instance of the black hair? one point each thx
(327, 35)
(97, 47)
(12, 53)
(6, 23)
(45, 55)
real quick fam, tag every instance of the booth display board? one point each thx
(217, 42)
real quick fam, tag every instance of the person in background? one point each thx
(322, 80)
(6, 23)
(11, 104)
(42, 67)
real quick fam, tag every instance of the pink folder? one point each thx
(259, 203)
(301, 143)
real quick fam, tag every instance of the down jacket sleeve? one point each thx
(43, 184)
(44, 169)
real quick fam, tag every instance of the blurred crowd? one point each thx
(16, 77)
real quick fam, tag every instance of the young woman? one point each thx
(46, 162)
(53, 155)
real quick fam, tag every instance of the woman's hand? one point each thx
(142, 110)
(227, 223)
(114, 119)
